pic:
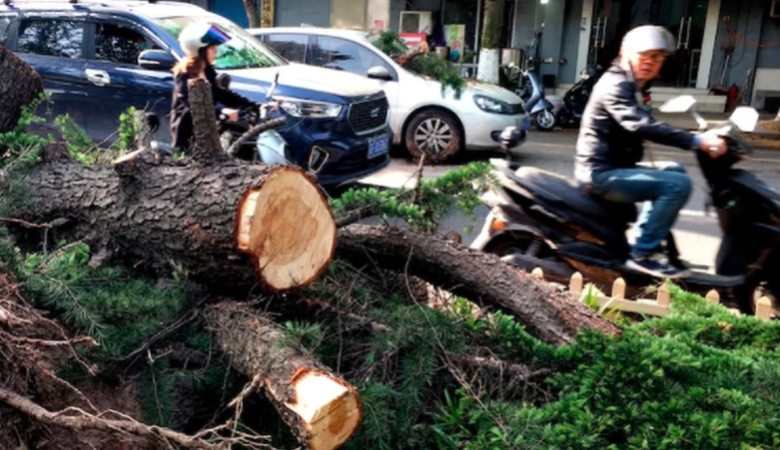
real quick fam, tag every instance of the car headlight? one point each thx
(492, 105)
(298, 107)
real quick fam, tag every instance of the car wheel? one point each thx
(545, 120)
(435, 134)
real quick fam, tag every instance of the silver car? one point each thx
(422, 118)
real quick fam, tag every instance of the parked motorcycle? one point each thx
(544, 220)
(576, 98)
(529, 88)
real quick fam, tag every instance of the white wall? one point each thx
(378, 10)
(767, 81)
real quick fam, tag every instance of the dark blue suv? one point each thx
(97, 58)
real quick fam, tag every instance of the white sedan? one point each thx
(423, 118)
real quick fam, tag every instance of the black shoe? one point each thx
(657, 266)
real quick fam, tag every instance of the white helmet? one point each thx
(648, 37)
(200, 35)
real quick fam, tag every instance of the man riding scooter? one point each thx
(610, 147)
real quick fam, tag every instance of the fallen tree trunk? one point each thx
(321, 409)
(480, 277)
(220, 224)
(19, 85)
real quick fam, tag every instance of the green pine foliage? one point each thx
(19, 150)
(436, 198)
(698, 379)
(429, 64)
(86, 151)
(16, 144)
(119, 309)
(129, 128)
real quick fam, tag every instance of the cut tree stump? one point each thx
(321, 409)
(480, 277)
(224, 225)
(19, 85)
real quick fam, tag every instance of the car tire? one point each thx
(545, 120)
(435, 134)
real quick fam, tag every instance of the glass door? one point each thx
(685, 19)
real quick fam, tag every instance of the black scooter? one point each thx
(544, 220)
(576, 98)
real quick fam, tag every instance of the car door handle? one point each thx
(98, 77)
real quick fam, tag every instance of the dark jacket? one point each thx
(181, 119)
(614, 126)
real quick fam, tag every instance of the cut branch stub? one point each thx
(288, 251)
(207, 144)
(320, 408)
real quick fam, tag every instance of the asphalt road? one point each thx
(698, 235)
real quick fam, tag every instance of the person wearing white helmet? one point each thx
(199, 41)
(615, 124)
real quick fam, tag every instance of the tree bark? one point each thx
(321, 409)
(483, 278)
(489, 58)
(250, 6)
(208, 147)
(219, 224)
(19, 85)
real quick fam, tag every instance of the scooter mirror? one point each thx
(745, 118)
(680, 104)
(510, 140)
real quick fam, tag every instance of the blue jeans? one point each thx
(664, 191)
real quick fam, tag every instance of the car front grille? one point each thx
(353, 162)
(368, 115)
(516, 109)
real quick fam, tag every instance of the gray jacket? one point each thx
(615, 125)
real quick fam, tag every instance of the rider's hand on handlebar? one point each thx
(715, 146)
(231, 114)
(270, 106)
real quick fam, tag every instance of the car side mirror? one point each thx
(379, 73)
(223, 81)
(156, 60)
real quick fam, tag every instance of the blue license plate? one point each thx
(378, 146)
(526, 124)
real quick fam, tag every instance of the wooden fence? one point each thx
(652, 307)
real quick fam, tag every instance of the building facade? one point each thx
(720, 43)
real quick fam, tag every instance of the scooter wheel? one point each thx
(545, 120)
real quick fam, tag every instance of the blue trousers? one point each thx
(664, 191)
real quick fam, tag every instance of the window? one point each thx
(119, 44)
(5, 23)
(47, 37)
(340, 54)
(292, 47)
(242, 51)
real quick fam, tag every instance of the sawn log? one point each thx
(227, 224)
(480, 277)
(322, 410)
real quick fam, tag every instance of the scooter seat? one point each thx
(563, 193)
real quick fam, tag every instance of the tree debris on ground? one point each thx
(203, 303)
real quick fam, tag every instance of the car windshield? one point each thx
(242, 51)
